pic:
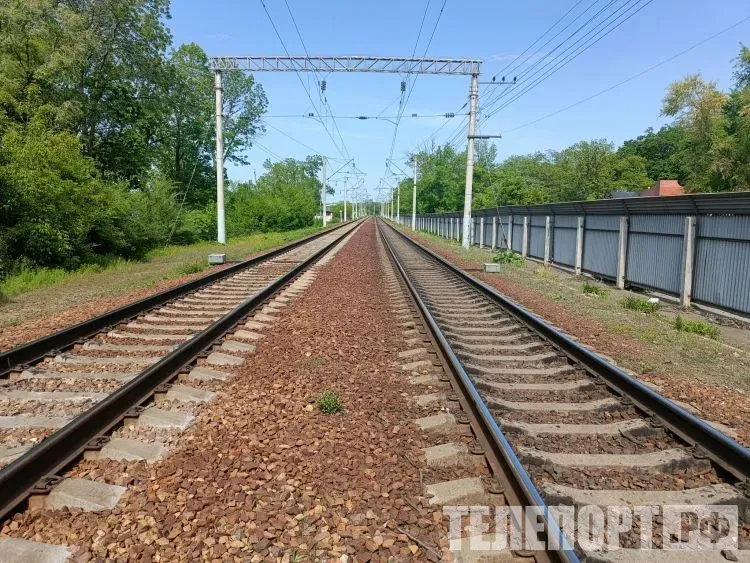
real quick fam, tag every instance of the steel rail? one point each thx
(507, 467)
(20, 478)
(722, 450)
(36, 350)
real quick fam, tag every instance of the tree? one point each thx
(698, 107)
(111, 69)
(661, 152)
(186, 134)
(286, 196)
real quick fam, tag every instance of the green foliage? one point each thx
(329, 402)
(586, 170)
(286, 197)
(639, 304)
(508, 257)
(24, 278)
(593, 289)
(697, 327)
(106, 137)
(192, 267)
(706, 148)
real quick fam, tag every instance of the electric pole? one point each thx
(323, 192)
(344, 200)
(473, 95)
(221, 235)
(398, 201)
(414, 195)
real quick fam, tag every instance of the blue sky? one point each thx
(493, 31)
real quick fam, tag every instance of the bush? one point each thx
(593, 289)
(329, 402)
(508, 257)
(697, 327)
(191, 268)
(640, 304)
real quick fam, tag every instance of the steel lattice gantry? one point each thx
(343, 63)
(395, 65)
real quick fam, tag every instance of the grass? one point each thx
(640, 304)
(593, 289)
(192, 267)
(508, 257)
(32, 293)
(696, 327)
(329, 402)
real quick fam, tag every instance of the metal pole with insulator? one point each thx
(473, 96)
(221, 235)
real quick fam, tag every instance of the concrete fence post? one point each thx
(688, 256)
(547, 238)
(510, 233)
(579, 247)
(494, 233)
(458, 228)
(622, 252)
(525, 240)
(481, 232)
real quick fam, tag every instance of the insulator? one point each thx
(403, 86)
(503, 79)
(322, 85)
(311, 114)
(515, 78)
(414, 115)
(450, 114)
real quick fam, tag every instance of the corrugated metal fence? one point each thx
(696, 247)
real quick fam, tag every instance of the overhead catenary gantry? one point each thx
(345, 63)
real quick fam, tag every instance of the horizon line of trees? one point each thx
(706, 147)
(107, 138)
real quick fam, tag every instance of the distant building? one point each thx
(663, 188)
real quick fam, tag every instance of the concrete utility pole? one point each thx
(221, 235)
(473, 96)
(344, 200)
(414, 195)
(323, 193)
(398, 201)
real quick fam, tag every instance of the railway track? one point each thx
(115, 387)
(561, 426)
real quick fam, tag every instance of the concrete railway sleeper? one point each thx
(123, 392)
(559, 425)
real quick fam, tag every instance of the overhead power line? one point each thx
(622, 19)
(288, 136)
(565, 15)
(446, 115)
(634, 76)
(323, 98)
(544, 60)
(307, 91)
(402, 103)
